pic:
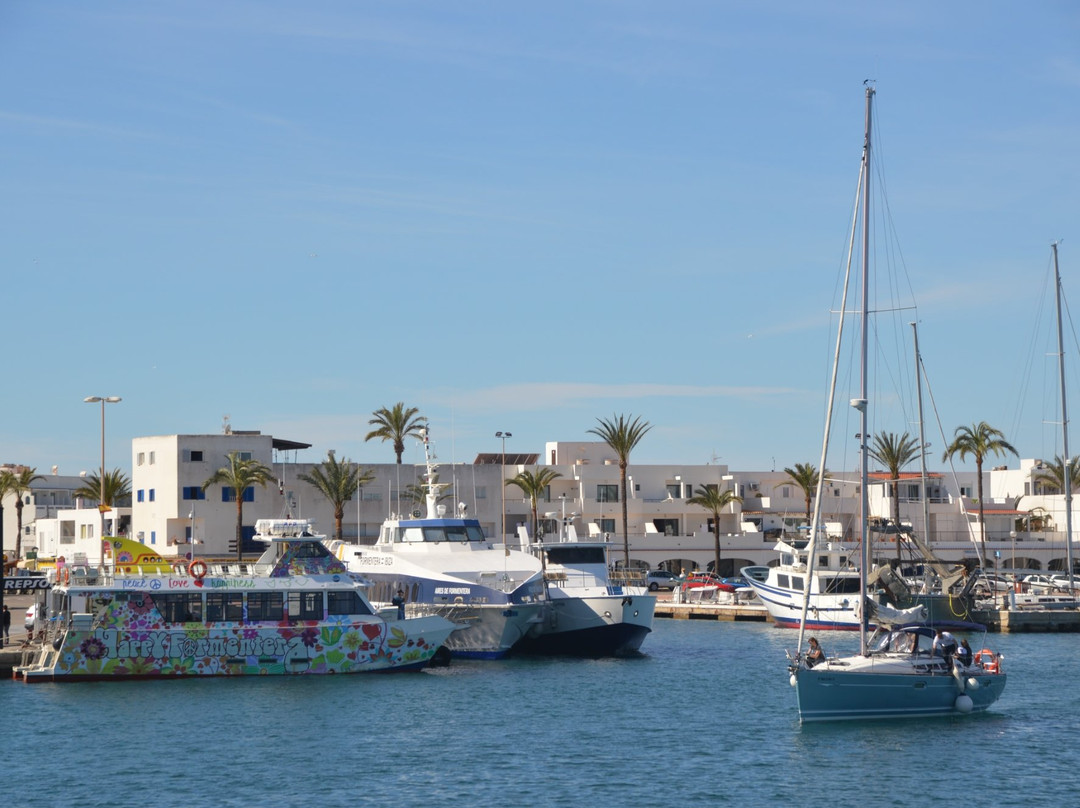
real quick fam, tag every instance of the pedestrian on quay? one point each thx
(7, 627)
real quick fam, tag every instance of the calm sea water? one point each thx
(706, 717)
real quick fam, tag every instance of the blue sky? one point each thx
(515, 216)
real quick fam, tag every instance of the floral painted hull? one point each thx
(196, 649)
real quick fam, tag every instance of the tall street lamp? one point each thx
(502, 483)
(102, 507)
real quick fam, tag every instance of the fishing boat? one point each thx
(588, 613)
(444, 565)
(885, 679)
(296, 610)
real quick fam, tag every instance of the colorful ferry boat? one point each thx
(296, 610)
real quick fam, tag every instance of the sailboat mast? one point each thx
(922, 439)
(860, 403)
(1066, 461)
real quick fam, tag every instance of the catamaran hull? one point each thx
(828, 695)
(106, 653)
(488, 632)
(592, 626)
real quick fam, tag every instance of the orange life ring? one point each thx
(988, 660)
(197, 569)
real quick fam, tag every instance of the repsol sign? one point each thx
(28, 583)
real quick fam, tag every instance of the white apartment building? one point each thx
(173, 515)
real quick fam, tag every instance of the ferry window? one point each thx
(434, 534)
(474, 532)
(345, 603)
(796, 582)
(305, 606)
(783, 581)
(569, 554)
(224, 607)
(265, 606)
(179, 608)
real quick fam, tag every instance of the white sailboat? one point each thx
(898, 672)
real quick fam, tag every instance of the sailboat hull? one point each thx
(827, 694)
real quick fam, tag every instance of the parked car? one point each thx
(696, 580)
(661, 579)
(31, 617)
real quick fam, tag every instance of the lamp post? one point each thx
(502, 484)
(101, 480)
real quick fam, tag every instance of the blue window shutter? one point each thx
(139, 495)
(151, 494)
(249, 494)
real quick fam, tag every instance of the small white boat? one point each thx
(294, 611)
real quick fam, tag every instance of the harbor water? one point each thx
(705, 717)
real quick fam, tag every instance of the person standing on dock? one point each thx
(7, 627)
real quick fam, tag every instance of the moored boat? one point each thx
(296, 610)
(445, 566)
(588, 612)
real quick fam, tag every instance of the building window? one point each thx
(481, 492)
(606, 525)
(965, 491)
(229, 494)
(607, 493)
(675, 491)
(140, 496)
(153, 537)
(244, 455)
(150, 495)
(86, 531)
(140, 458)
(194, 492)
(152, 458)
(193, 456)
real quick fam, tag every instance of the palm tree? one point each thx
(714, 501)
(622, 434)
(978, 440)
(533, 485)
(240, 475)
(337, 480)
(894, 452)
(114, 493)
(805, 477)
(17, 483)
(395, 425)
(1052, 475)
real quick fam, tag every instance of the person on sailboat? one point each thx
(964, 653)
(814, 655)
(944, 644)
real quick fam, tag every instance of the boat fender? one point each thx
(958, 677)
(65, 576)
(197, 569)
(972, 683)
(794, 680)
(963, 703)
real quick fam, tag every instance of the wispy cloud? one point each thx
(545, 395)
